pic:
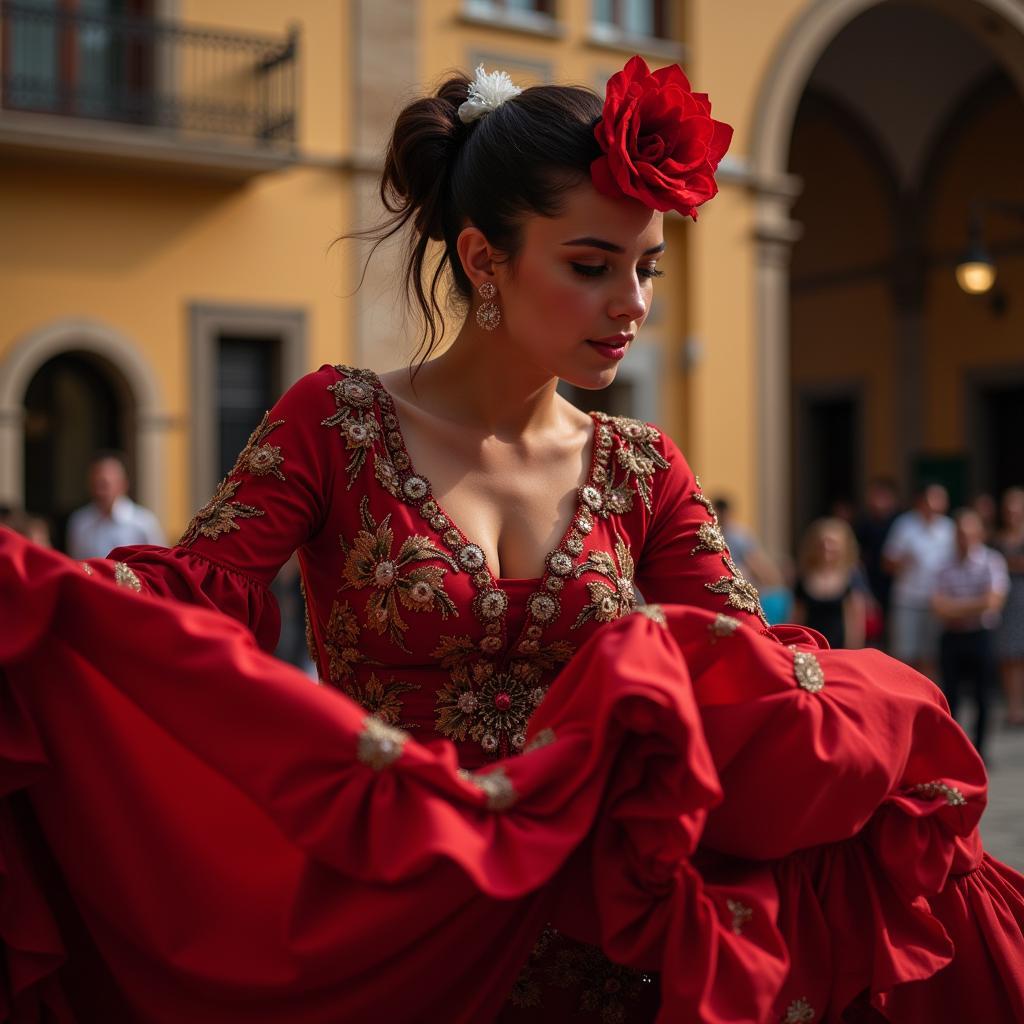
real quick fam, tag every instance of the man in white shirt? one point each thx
(111, 519)
(919, 544)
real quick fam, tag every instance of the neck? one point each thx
(476, 383)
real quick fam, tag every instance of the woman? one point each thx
(827, 597)
(1010, 638)
(555, 809)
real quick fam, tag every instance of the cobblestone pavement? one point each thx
(1002, 826)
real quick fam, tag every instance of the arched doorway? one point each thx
(76, 404)
(837, 53)
(84, 371)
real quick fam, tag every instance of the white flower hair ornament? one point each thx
(487, 92)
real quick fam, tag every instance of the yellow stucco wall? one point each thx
(131, 248)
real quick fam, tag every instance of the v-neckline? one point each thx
(500, 582)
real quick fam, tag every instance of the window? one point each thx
(633, 17)
(243, 360)
(86, 58)
(512, 7)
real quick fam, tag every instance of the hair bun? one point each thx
(422, 146)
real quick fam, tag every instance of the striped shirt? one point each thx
(980, 573)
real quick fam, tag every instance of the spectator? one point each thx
(111, 519)
(985, 505)
(1010, 638)
(827, 597)
(35, 528)
(918, 545)
(755, 564)
(881, 506)
(969, 592)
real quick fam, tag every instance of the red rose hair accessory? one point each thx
(660, 144)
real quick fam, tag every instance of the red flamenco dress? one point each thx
(510, 799)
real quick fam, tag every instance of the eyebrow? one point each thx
(600, 243)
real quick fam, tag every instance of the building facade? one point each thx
(173, 173)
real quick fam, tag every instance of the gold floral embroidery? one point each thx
(314, 655)
(724, 625)
(386, 474)
(526, 992)
(496, 785)
(608, 602)
(379, 745)
(369, 564)
(354, 397)
(384, 701)
(543, 739)
(929, 790)
(654, 612)
(807, 670)
(739, 592)
(605, 988)
(709, 538)
(800, 1012)
(637, 458)
(258, 457)
(218, 515)
(342, 642)
(489, 706)
(124, 576)
(741, 915)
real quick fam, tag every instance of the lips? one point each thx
(613, 347)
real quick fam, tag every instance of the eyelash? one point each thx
(586, 270)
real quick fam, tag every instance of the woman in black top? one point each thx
(827, 597)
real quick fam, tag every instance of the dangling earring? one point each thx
(488, 313)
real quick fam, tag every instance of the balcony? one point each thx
(129, 88)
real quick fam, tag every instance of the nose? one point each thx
(628, 302)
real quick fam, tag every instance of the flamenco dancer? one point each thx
(518, 795)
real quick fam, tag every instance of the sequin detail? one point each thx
(800, 1012)
(219, 514)
(612, 600)
(543, 739)
(635, 462)
(379, 745)
(741, 915)
(496, 785)
(86, 568)
(370, 564)
(738, 591)
(353, 416)
(258, 457)
(952, 795)
(724, 625)
(382, 700)
(605, 988)
(341, 641)
(807, 671)
(124, 576)
(654, 612)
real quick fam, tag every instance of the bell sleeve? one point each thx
(685, 560)
(273, 501)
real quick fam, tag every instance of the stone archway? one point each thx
(36, 348)
(776, 189)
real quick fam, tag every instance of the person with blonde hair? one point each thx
(827, 597)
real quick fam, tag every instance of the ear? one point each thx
(476, 256)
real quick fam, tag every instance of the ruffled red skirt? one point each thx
(190, 831)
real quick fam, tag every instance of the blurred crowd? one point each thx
(943, 593)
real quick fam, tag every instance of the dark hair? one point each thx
(108, 455)
(441, 175)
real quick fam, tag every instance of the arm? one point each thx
(270, 503)
(854, 618)
(684, 559)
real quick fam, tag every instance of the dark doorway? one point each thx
(248, 384)
(827, 478)
(999, 454)
(75, 405)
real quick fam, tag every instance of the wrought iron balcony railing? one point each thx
(143, 71)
